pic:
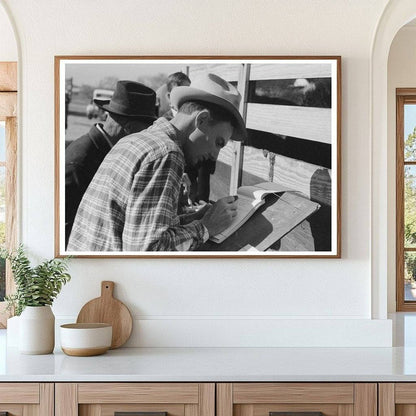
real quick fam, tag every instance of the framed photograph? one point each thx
(198, 156)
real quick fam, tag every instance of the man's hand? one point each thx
(196, 212)
(219, 216)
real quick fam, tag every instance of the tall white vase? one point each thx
(37, 330)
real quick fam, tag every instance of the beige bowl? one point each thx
(83, 340)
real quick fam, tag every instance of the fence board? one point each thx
(311, 180)
(289, 71)
(302, 122)
(230, 72)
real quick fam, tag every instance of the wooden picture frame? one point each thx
(291, 106)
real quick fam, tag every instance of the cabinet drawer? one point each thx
(21, 399)
(19, 393)
(138, 393)
(296, 399)
(107, 399)
(142, 409)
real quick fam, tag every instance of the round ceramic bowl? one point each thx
(83, 340)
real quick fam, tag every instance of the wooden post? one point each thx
(238, 150)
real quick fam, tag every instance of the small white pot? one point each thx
(86, 339)
(37, 330)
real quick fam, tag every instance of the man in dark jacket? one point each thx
(130, 110)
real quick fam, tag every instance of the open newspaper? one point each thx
(250, 199)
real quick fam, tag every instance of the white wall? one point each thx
(401, 74)
(180, 301)
(8, 46)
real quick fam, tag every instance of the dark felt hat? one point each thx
(131, 99)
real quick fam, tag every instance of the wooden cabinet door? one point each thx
(153, 399)
(27, 399)
(397, 399)
(297, 399)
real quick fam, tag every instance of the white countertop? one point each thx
(222, 364)
(213, 364)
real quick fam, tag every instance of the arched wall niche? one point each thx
(396, 14)
(401, 73)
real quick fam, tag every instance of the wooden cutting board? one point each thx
(107, 309)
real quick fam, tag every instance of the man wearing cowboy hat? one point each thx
(131, 204)
(130, 110)
(198, 175)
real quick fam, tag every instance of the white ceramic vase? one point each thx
(37, 330)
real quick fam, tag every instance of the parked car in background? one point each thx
(92, 109)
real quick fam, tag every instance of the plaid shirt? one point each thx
(132, 202)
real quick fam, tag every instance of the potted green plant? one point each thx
(36, 289)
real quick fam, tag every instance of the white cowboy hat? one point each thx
(212, 89)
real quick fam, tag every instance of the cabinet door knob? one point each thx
(139, 414)
(296, 414)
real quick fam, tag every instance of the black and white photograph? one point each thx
(197, 157)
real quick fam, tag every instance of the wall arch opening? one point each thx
(396, 15)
